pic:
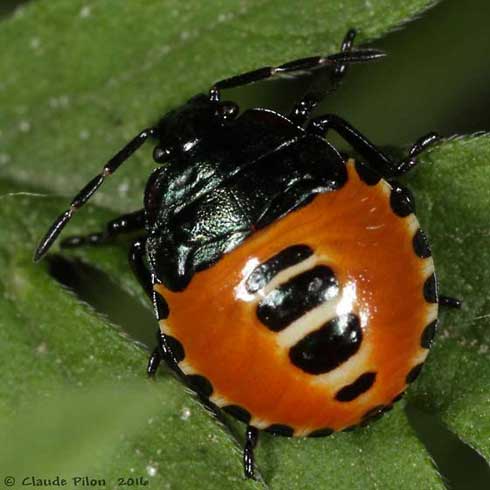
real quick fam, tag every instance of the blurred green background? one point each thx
(447, 46)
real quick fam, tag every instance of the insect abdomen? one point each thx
(317, 322)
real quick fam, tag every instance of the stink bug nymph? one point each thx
(293, 286)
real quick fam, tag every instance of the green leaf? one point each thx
(453, 190)
(94, 73)
(82, 77)
(50, 342)
(59, 446)
(451, 186)
(72, 346)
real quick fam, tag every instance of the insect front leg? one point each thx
(147, 280)
(136, 259)
(126, 223)
(163, 351)
(379, 161)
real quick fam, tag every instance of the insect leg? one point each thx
(163, 350)
(154, 361)
(86, 193)
(160, 308)
(136, 261)
(418, 147)
(125, 223)
(161, 353)
(300, 66)
(251, 438)
(303, 109)
(383, 164)
(450, 302)
(345, 47)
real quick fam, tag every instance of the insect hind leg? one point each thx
(147, 280)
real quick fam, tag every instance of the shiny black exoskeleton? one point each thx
(225, 175)
(227, 178)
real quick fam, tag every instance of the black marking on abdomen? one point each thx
(351, 428)
(238, 412)
(328, 347)
(280, 430)
(367, 175)
(401, 201)
(321, 432)
(374, 414)
(263, 274)
(362, 384)
(421, 245)
(398, 397)
(430, 289)
(160, 306)
(300, 294)
(176, 348)
(428, 335)
(414, 373)
(200, 384)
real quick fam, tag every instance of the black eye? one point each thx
(227, 110)
(160, 155)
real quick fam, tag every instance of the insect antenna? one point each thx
(87, 192)
(356, 56)
(302, 66)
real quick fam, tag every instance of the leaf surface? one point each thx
(73, 346)
(453, 190)
(83, 77)
(80, 79)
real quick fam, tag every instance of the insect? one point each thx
(293, 286)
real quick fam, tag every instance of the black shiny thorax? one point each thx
(225, 178)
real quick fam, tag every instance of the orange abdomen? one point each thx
(351, 344)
